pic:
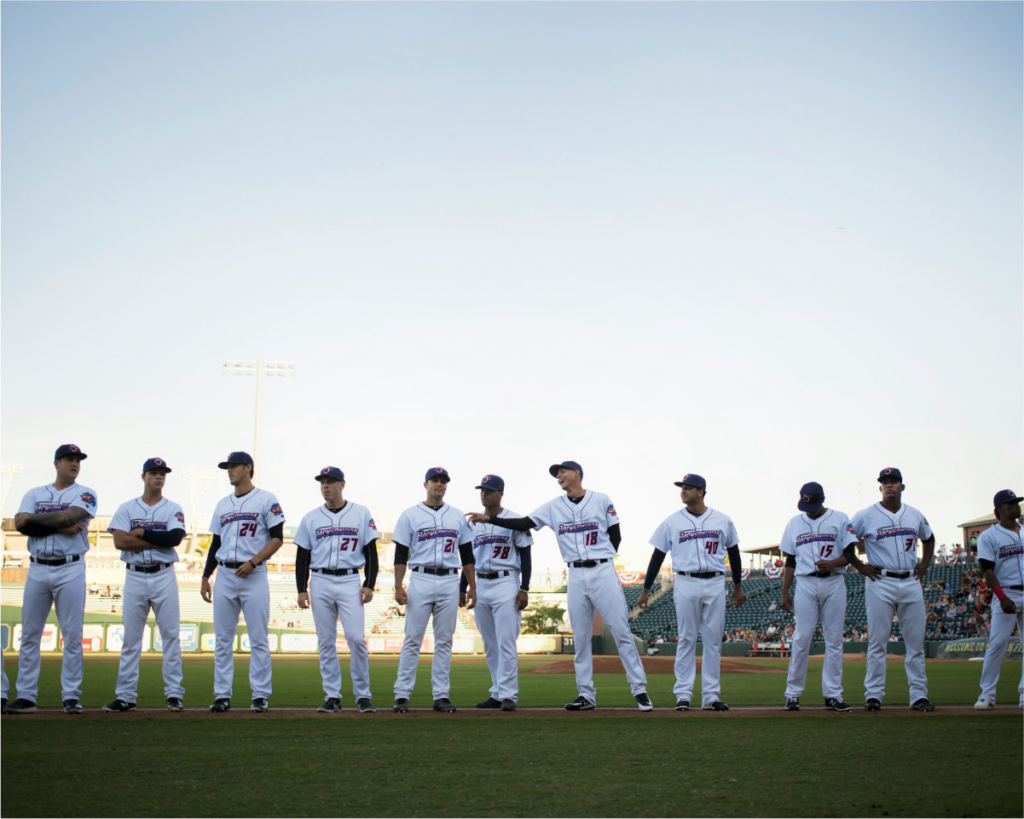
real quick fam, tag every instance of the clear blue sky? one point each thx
(768, 243)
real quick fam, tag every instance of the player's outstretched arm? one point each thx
(515, 524)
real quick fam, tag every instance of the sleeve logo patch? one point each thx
(277, 510)
(179, 516)
(611, 510)
(849, 528)
(88, 498)
(373, 525)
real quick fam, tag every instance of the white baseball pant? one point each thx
(63, 588)
(1000, 632)
(437, 596)
(699, 603)
(333, 597)
(250, 596)
(904, 598)
(598, 588)
(3, 671)
(158, 591)
(499, 622)
(815, 597)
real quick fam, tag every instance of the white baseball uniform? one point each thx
(59, 586)
(698, 546)
(582, 532)
(810, 540)
(335, 541)
(1005, 548)
(497, 618)
(145, 590)
(244, 525)
(433, 537)
(891, 542)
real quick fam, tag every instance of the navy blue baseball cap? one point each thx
(696, 481)
(155, 463)
(65, 450)
(437, 472)
(890, 472)
(237, 458)
(492, 482)
(553, 469)
(1005, 496)
(812, 497)
(331, 472)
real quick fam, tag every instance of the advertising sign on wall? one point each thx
(92, 637)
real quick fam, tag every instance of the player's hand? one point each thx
(462, 600)
(401, 596)
(921, 569)
(1008, 606)
(74, 529)
(205, 591)
(245, 569)
(787, 600)
(476, 517)
(303, 600)
(642, 602)
(869, 571)
(824, 565)
(737, 596)
(365, 595)
(522, 600)
(470, 597)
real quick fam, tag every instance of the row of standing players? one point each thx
(434, 541)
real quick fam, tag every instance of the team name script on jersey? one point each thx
(896, 531)
(232, 517)
(700, 534)
(576, 528)
(52, 507)
(430, 534)
(157, 525)
(1011, 551)
(488, 540)
(336, 531)
(823, 537)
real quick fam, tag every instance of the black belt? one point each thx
(1016, 588)
(234, 565)
(896, 575)
(56, 561)
(820, 574)
(433, 570)
(336, 572)
(589, 564)
(147, 568)
(702, 575)
(493, 575)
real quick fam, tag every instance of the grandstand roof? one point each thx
(989, 518)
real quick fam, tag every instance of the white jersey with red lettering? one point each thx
(244, 524)
(46, 499)
(581, 528)
(813, 539)
(494, 548)
(1005, 548)
(698, 543)
(433, 535)
(891, 537)
(336, 539)
(136, 514)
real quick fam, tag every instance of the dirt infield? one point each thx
(657, 665)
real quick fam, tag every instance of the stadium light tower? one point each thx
(259, 368)
(9, 471)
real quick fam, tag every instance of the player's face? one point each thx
(68, 468)
(1008, 511)
(331, 489)
(237, 473)
(690, 494)
(436, 487)
(490, 497)
(155, 479)
(567, 478)
(891, 489)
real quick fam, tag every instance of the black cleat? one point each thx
(922, 705)
(119, 705)
(174, 704)
(716, 705)
(581, 703)
(873, 704)
(331, 704)
(837, 704)
(792, 703)
(3, 704)
(221, 705)
(443, 705)
(73, 707)
(508, 704)
(365, 706)
(401, 705)
(259, 705)
(643, 702)
(683, 705)
(490, 703)
(20, 706)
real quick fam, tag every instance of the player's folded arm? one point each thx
(35, 529)
(53, 520)
(168, 539)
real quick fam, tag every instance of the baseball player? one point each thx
(1001, 555)
(889, 531)
(503, 569)
(248, 528)
(336, 540)
(817, 545)
(431, 538)
(146, 531)
(587, 527)
(55, 518)
(699, 538)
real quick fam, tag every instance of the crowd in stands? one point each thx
(387, 624)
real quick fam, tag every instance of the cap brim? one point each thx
(226, 464)
(809, 507)
(1010, 500)
(159, 469)
(320, 478)
(681, 484)
(491, 488)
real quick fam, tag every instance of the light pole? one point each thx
(259, 368)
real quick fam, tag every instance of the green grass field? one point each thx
(896, 763)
